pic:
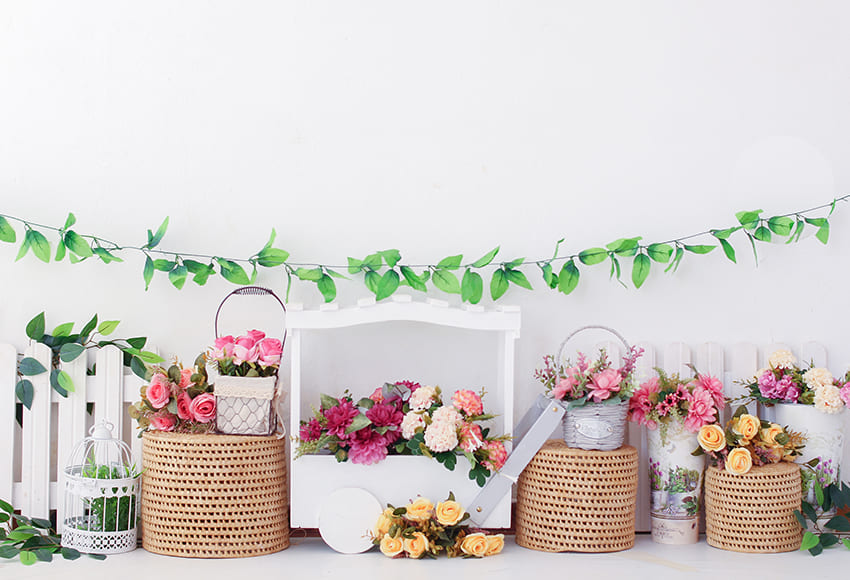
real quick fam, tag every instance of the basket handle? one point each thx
(590, 327)
(252, 291)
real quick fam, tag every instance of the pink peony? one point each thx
(186, 378)
(604, 384)
(497, 455)
(224, 347)
(163, 421)
(269, 351)
(339, 418)
(471, 437)
(367, 447)
(184, 403)
(203, 408)
(311, 430)
(383, 415)
(159, 391)
(701, 409)
(468, 401)
(713, 386)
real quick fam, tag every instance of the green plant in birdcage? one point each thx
(115, 513)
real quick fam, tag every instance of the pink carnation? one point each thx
(701, 409)
(496, 455)
(339, 418)
(713, 386)
(367, 447)
(604, 384)
(163, 421)
(203, 408)
(383, 415)
(471, 437)
(311, 430)
(468, 401)
(159, 391)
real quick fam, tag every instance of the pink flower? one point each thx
(186, 378)
(701, 409)
(184, 403)
(224, 347)
(384, 415)
(378, 395)
(159, 391)
(563, 388)
(256, 335)
(640, 405)
(367, 447)
(243, 353)
(604, 384)
(339, 418)
(471, 437)
(163, 421)
(203, 408)
(311, 430)
(713, 386)
(497, 455)
(468, 401)
(844, 393)
(269, 351)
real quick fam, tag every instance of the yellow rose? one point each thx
(391, 546)
(449, 513)
(495, 544)
(739, 461)
(384, 523)
(769, 434)
(420, 510)
(417, 545)
(475, 545)
(711, 437)
(748, 426)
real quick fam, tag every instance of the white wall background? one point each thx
(435, 128)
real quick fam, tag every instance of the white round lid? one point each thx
(346, 517)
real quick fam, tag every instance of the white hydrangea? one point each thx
(828, 399)
(441, 436)
(817, 378)
(782, 359)
(448, 415)
(410, 423)
(422, 398)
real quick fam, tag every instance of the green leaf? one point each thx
(548, 276)
(593, 256)
(780, 225)
(846, 542)
(486, 259)
(391, 257)
(43, 555)
(24, 392)
(624, 246)
(498, 284)
(107, 327)
(147, 273)
(77, 244)
(568, 278)
(446, 281)
(450, 262)
(413, 280)
(674, 264)
(7, 232)
(271, 257)
(54, 383)
(839, 524)
(69, 221)
(40, 245)
(817, 222)
(728, 249)
(823, 234)
(60, 251)
(359, 422)
(138, 367)
(70, 351)
(309, 274)
(518, 278)
(660, 252)
(6, 507)
(65, 381)
(387, 285)
(724, 234)
(327, 287)
(177, 276)
(748, 219)
(827, 539)
(471, 287)
(153, 240)
(515, 263)
(819, 492)
(233, 272)
(798, 231)
(25, 246)
(699, 249)
(27, 558)
(640, 269)
(810, 540)
(615, 268)
(354, 265)
(371, 280)
(800, 519)
(335, 274)
(70, 553)
(762, 234)
(106, 256)
(90, 325)
(30, 367)
(164, 265)
(97, 556)
(35, 327)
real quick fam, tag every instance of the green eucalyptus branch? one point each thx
(383, 272)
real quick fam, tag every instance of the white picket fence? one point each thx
(32, 457)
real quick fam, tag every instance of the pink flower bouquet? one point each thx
(177, 399)
(250, 355)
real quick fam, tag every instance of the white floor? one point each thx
(310, 558)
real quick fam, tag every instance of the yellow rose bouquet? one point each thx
(422, 529)
(747, 441)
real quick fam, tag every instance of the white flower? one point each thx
(817, 377)
(441, 436)
(410, 423)
(422, 398)
(782, 359)
(828, 399)
(448, 415)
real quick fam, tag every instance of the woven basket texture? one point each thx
(577, 500)
(595, 426)
(214, 496)
(753, 512)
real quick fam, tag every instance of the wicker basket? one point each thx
(753, 512)
(575, 500)
(214, 496)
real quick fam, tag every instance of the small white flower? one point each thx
(410, 423)
(817, 378)
(782, 359)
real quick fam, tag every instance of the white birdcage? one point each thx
(101, 495)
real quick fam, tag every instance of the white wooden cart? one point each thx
(397, 479)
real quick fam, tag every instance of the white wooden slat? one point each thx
(815, 353)
(294, 342)
(644, 369)
(677, 357)
(35, 441)
(109, 405)
(8, 378)
(711, 361)
(505, 379)
(742, 364)
(71, 426)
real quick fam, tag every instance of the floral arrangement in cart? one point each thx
(747, 441)
(589, 381)
(176, 399)
(421, 529)
(783, 381)
(405, 418)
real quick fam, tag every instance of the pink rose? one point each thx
(245, 354)
(257, 335)
(186, 378)
(269, 351)
(203, 408)
(224, 347)
(184, 402)
(163, 421)
(159, 391)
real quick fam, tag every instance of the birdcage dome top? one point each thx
(101, 456)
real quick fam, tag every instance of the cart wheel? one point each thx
(346, 517)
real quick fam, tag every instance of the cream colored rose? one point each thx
(420, 510)
(475, 545)
(711, 437)
(817, 378)
(782, 359)
(739, 461)
(495, 543)
(384, 523)
(391, 546)
(769, 434)
(416, 546)
(449, 512)
(748, 426)
(828, 399)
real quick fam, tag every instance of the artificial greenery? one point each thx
(66, 346)
(110, 514)
(383, 272)
(31, 539)
(819, 535)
